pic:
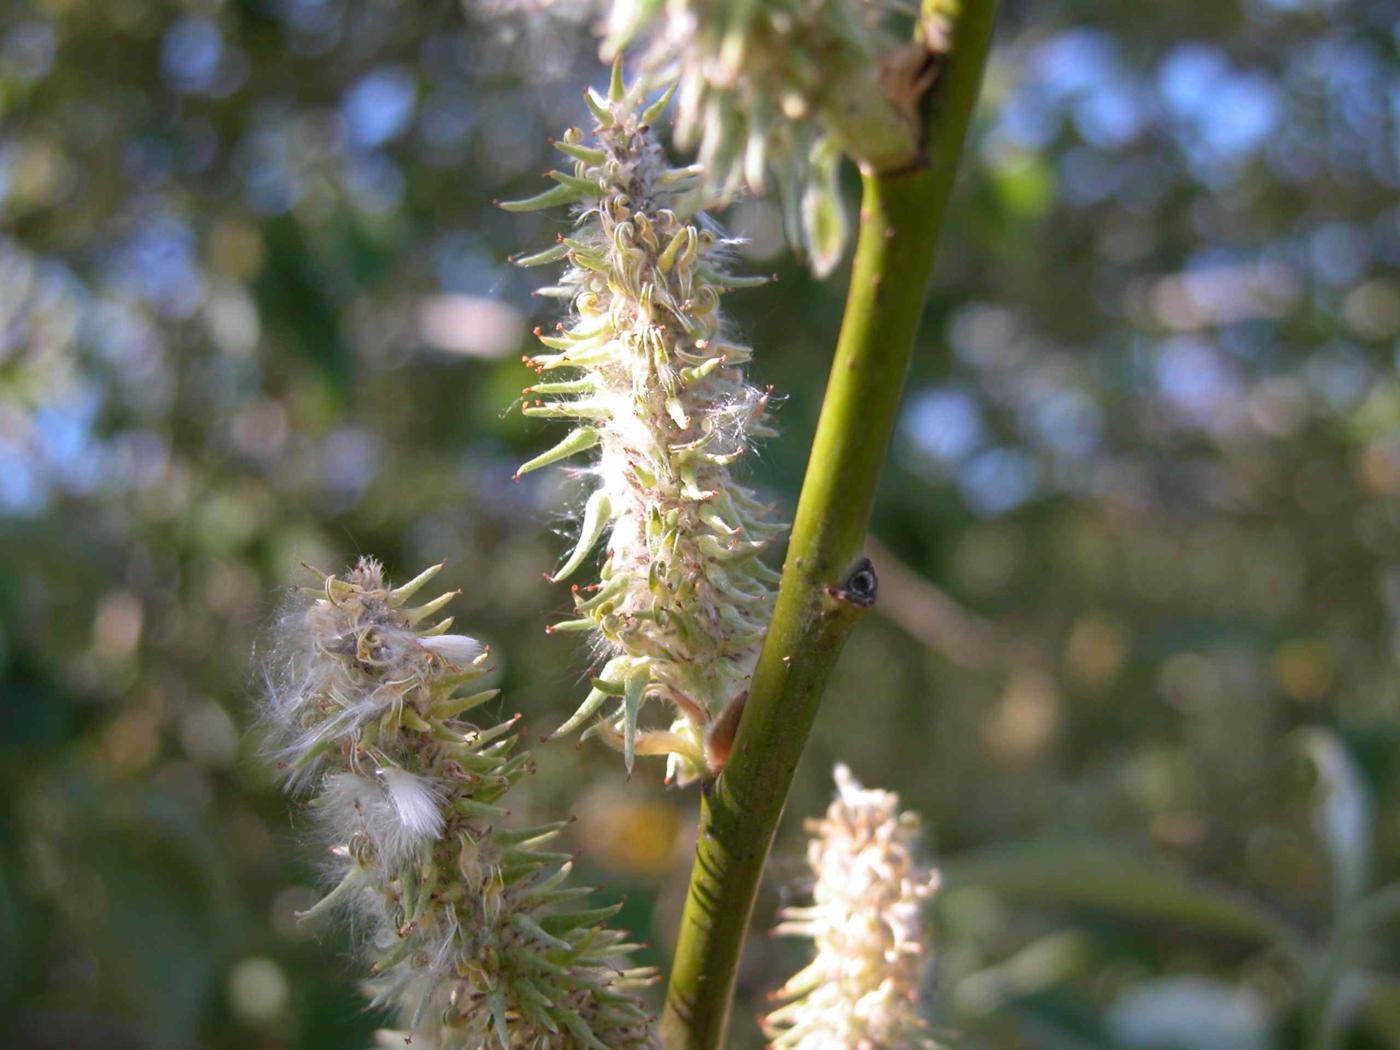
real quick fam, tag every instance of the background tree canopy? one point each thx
(255, 311)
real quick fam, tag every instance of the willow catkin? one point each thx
(650, 379)
(475, 939)
(781, 90)
(861, 989)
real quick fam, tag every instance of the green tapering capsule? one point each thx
(549, 255)
(580, 409)
(584, 385)
(596, 514)
(403, 592)
(565, 626)
(561, 923)
(598, 106)
(579, 440)
(585, 187)
(422, 612)
(617, 87)
(652, 113)
(634, 690)
(587, 154)
(590, 706)
(550, 198)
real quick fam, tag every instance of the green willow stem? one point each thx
(901, 217)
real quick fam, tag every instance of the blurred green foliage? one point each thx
(254, 311)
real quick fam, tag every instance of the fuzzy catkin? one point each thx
(651, 381)
(861, 989)
(783, 88)
(475, 941)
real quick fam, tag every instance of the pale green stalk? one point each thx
(901, 217)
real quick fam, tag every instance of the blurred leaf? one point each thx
(1189, 1013)
(166, 922)
(37, 715)
(9, 937)
(1099, 875)
(292, 287)
(1038, 966)
(1342, 814)
(1027, 186)
(1059, 1020)
(1382, 1007)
